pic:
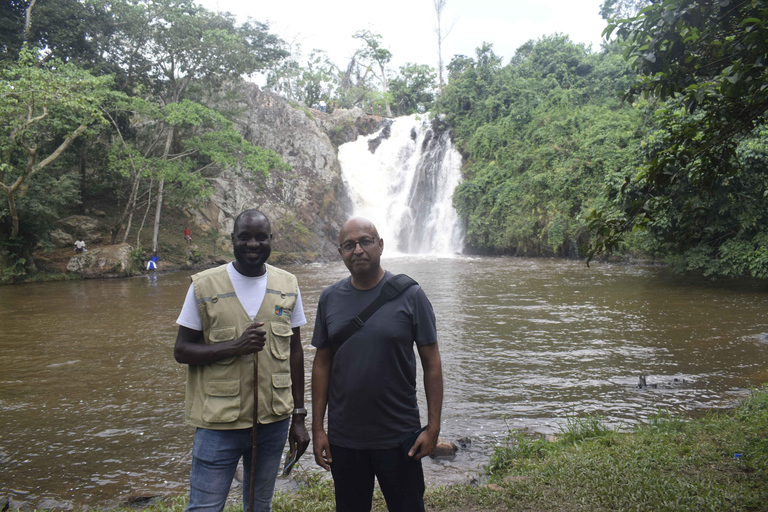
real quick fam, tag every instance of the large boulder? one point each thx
(80, 226)
(105, 261)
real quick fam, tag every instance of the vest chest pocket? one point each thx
(219, 335)
(222, 401)
(280, 340)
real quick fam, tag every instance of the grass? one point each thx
(668, 464)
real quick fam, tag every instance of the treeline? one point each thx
(657, 145)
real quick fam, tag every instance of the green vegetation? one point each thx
(541, 135)
(670, 464)
(700, 186)
(655, 144)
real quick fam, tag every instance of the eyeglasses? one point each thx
(350, 245)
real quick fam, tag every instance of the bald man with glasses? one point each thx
(368, 384)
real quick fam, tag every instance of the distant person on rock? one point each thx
(322, 106)
(153, 261)
(80, 245)
(234, 313)
(188, 236)
(368, 383)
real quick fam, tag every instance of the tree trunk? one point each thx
(146, 212)
(14, 215)
(158, 209)
(161, 183)
(83, 187)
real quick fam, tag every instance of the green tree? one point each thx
(539, 137)
(174, 50)
(45, 107)
(413, 89)
(309, 83)
(621, 9)
(371, 55)
(704, 63)
(70, 30)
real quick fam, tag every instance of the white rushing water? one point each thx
(405, 184)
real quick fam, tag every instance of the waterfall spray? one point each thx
(402, 179)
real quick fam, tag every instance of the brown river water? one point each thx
(92, 399)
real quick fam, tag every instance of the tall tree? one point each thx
(693, 193)
(45, 107)
(78, 30)
(169, 45)
(413, 89)
(308, 83)
(372, 53)
(442, 33)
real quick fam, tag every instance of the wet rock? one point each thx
(51, 504)
(445, 449)
(674, 382)
(13, 504)
(139, 502)
(80, 226)
(62, 239)
(464, 442)
(106, 261)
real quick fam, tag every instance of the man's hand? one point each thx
(322, 449)
(298, 438)
(251, 341)
(425, 444)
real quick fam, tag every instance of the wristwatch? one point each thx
(300, 411)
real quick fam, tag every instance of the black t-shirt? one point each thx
(372, 392)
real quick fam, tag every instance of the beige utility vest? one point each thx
(219, 395)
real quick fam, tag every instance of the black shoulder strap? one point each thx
(391, 289)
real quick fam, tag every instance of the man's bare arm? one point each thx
(297, 436)
(321, 376)
(433, 388)
(191, 349)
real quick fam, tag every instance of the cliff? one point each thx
(308, 205)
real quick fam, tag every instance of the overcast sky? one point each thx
(407, 26)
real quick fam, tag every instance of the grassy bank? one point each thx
(669, 464)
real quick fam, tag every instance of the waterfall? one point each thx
(402, 179)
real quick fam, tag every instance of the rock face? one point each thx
(106, 261)
(306, 206)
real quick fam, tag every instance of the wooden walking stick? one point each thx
(255, 422)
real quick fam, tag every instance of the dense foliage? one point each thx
(700, 191)
(135, 137)
(540, 135)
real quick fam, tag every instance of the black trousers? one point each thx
(400, 477)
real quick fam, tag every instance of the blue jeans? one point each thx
(215, 455)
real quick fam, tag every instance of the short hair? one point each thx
(251, 213)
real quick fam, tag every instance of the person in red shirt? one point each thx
(188, 236)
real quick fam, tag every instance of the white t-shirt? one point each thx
(250, 292)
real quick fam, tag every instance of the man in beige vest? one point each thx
(231, 313)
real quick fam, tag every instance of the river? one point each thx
(92, 399)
